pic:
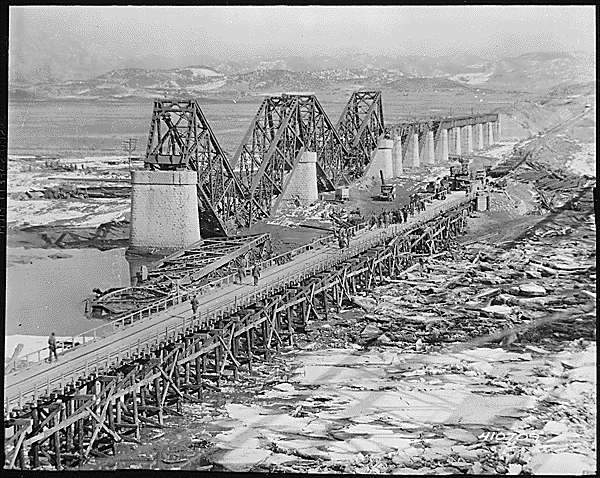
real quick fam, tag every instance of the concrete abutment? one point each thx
(164, 211)
(303, 183)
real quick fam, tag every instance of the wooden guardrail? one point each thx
(101, 361)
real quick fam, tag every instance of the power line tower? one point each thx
(129, 146)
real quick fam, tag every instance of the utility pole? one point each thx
(130, 145)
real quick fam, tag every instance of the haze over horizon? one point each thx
(235, 33)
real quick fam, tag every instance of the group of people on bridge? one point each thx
(343, 235)
(398, 216)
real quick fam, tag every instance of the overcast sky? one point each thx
(237, 32)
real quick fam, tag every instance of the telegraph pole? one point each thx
(130, 145)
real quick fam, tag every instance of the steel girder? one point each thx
(284, 127)
(360, 126)
(267, 152)
(181, 138)
(192, 267)
(320, 136)
(242, 191)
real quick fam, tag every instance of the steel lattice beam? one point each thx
(244, 190)
(284, 127)
(181, 138)
(194, 266)
(360, 126)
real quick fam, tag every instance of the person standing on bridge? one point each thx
(256, 273)
(195, 305)
(346, 238)
(52, 347)
(372, 222)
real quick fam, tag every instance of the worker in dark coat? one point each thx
(195, 305)
(256, 273)
(52, 347)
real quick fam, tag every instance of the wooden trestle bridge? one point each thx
(105, 390)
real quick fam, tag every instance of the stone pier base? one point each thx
(164, 211)
(397, 156)
(441, 148)
(303, 183)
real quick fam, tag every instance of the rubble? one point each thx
(483, 363)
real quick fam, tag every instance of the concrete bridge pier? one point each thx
(468, 138)
(497, 129)
(490, 129)
(382, 160)
(441, 148)
(451, 141)
(303, 183)
(478, 136)
(457, 141)
(412, 154)
(164, 211)
(397, 156)
(427, 151)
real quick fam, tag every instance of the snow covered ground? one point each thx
(26, 174)
(584, 161)
(31, 343)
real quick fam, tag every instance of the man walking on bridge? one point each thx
(52, 347)
(195, 305)
(256, 273)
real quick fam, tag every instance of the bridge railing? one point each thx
(103, 362)
(136, 316)
(164, 304)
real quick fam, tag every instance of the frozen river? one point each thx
(45, 295)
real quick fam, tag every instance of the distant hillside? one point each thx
(63, 66)
(578, 89)
(37, 58)
(265, 80)
(530, 72)
(424, 84)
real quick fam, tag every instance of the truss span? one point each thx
(244, 190)
(181, 138)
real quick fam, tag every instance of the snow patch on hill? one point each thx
(204, 72)
(472, 78)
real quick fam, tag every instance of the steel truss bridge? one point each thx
(240, 191)
(436, 124)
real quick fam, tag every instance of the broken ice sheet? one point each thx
(561, 464)
(259, 417)
(240, 459)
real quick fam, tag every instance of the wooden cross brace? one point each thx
(168, 378)
(99, 420)
(228, 346)
(18, 437)
(272, 321)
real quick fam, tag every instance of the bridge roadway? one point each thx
(40, 378)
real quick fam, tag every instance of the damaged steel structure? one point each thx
(197, 265)
(244, 189)
(91, 412)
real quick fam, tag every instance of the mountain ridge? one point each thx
(63, 66)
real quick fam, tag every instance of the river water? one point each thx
(45, 294)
